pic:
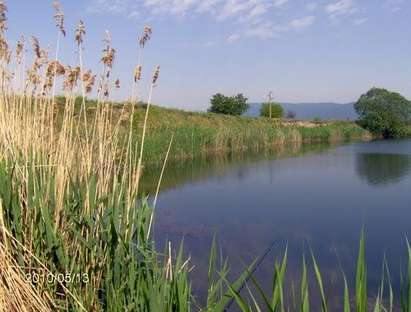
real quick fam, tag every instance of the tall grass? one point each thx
(72, 231)
(198, 135)
(352, 299)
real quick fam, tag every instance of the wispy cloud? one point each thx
(393, 5)
(340, 8)
(279, 3)
(104, 6)
(251, 18)
(233, 38)
(269, 30)
(360, 21)
(302, 23)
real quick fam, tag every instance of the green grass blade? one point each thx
(320, 284)
(361, 278)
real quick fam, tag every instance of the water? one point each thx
(314, 197)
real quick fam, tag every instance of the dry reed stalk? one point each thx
(79, 38)
(134, 190)
(30, 145)
(158, 186)
(16, 294)
(59, 19)
(28, 290)
(143, 40)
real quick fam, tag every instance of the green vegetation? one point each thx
(201, 134)
(228, 105)
(271, 110)
(205, 134)
(356, 299)
(384, 113)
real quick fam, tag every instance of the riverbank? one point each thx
(200, 134)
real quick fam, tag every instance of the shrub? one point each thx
(384, 113)
(228, 105)
(271, 110)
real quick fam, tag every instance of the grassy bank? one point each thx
(197, 134)
(201, 134)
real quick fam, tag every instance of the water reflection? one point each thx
(318, 201)
(180, 173)
(382, 169)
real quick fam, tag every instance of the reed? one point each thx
(384, 299)
(72, 232)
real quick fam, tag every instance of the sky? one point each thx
(302, 50)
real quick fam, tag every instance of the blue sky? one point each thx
(303, 50)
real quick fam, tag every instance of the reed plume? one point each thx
(59, 17)
(145, 37)
(36, 47)
(53, 70)
(137, 73)
(156, 75)
(89, 80)
(4, 49)
(80, 33)
(72, 77)
(107, 60)
(3, 16)
(19, 49)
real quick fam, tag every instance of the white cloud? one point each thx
(251, 18)
(279, 3)
(264, 30)
(360, 21)
(302, 23)
(113, 6)
(233, 38)
(393, 5)
(340, 7)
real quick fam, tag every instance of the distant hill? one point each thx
(308, 111)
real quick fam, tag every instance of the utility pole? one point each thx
(270, 101)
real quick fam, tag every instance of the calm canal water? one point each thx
(316, 197)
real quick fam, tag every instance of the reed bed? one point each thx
(199, 135)
(74, 236)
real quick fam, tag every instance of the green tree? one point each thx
(228, 105)
(271, 110)
(384, 113)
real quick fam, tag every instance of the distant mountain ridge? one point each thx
(308, 111)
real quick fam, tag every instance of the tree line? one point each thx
(386, 114)
(237, 105)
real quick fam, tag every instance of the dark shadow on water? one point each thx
(382, 169)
